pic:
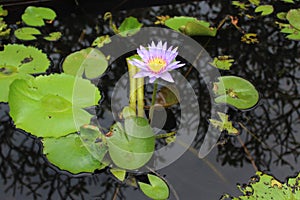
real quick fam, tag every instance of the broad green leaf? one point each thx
(54, 36)
(89, 62)
(255, 2)
(222, 62)
(35, 16)
(288, 1)
(131, 147)
(101, 41)
(118, 173)
(293, 16)
(264, 186)
(70, 154)
(281, 15)
(293, 33)
(191, 26)
(224, 124)
(264, 9)
(240, 5)
(51, 106)
(129, 27)
(235, 91)
(27, 33)
(3, 12)
(157, 189)
(16, 62)
(93, 141)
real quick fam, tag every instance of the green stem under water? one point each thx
(132, 85)
(140, 97)
(154, 93)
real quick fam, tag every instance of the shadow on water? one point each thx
(269, 132)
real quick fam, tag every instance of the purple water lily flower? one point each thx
(156, 62)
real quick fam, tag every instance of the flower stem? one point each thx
(140, 97)
(132, 85)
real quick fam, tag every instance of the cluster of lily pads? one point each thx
(52, 107)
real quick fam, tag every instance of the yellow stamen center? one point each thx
(157, 64)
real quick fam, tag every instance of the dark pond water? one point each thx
(270, 131)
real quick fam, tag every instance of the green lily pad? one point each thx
(92, 139)
(35, 16)
(157, 189)
(255, 2)
(90, 62)
(263, 186)
(54, 36)
(224, 124)
(3, 12)
(168, 96)
(27, 33)
(118, 173)
(235, 91)
(191, 26)
(240, 5)
(293, 16)
(264, 9)
(46, 105)
(131, 147)
(101, 41)
(69, 153)
(293, 33)
(16, 62)
(281, 15)
(129, 27)
(222, 62)
(288, 1)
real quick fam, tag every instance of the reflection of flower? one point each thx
(156, 62)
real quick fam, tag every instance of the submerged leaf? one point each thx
(157, 189)
(51, 106)
(129, 27)
(35, 16)
(240, 5)
(249, 38)
(69, 153)
(265, 9)
(235, 91)
(27, 33)
(3, 12)
(89, 62)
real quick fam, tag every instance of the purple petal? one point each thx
(174, 65)
(167, 77)
(141, 74)
(138, 64)
(152, 79)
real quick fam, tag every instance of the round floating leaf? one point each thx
(191, 26)
(91, 138)
(264, 9)
(293, 16)
(90, 62)
(47, 106)
(281, 15)
(16, 61)
(27, 33)
(54, 36)
(157, 189)
(35, 16)
(134, 148)
(263, 186)
(69, 153)
(129, 27)
(235, 91)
